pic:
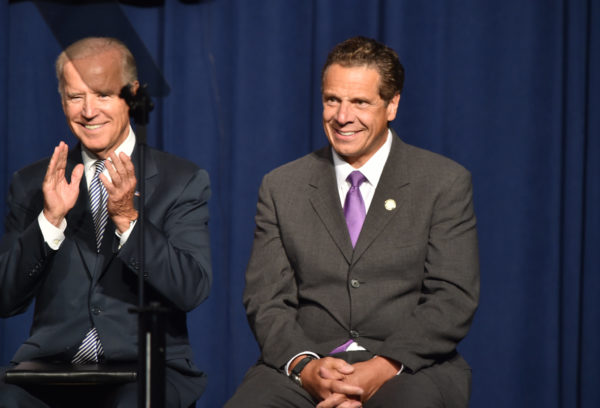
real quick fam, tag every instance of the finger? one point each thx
(57, 161)
(129, 170)
(332, 401)
(329, 374)
(63, 151)
(116, 178)
(50, 172)
(345, 388)
(108, 185)
(127, 164)
(350, 404)
(118, 164)
(343, 367)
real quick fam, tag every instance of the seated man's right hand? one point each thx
(60, 195)
(324, 380)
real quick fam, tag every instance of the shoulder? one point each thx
(30, 177)
(34, 169)
(169, 160)
(172, 166)
(302, 169)
(420, 163)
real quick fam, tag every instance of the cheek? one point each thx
(70, 111)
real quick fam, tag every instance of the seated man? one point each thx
(71, 239)
(364, 272)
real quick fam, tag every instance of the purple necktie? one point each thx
(354, 206)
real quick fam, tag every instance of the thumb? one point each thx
(77, 174)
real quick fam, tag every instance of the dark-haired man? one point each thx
(71, 240)
(364, 272)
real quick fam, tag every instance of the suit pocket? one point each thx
(31, 343)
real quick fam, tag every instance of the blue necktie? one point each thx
(98, 197)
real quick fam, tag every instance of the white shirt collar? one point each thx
(372, 169)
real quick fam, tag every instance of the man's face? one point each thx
(354, 115)
(93, 109)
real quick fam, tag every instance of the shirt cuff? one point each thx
(125, 235)
(308, 353)
(53, 236)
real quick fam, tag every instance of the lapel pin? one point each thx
(390, 204)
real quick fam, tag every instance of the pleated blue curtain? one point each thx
(509, 89)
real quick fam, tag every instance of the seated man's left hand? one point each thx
(121, 190)
(369, 375)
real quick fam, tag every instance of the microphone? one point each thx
(140, 104)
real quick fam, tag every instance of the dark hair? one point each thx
(362, 51)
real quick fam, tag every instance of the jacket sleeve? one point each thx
(271, 293)
(450, 287)
(177, 241)
(23, 252)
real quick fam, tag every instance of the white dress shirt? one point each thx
(372, 170)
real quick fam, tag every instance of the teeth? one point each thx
(347, 133)
(92, 127)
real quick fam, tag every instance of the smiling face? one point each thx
(355, 118)
(90, 99)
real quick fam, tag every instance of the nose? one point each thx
(344, 113)
(88, 109)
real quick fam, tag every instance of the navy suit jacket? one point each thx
(75, 287)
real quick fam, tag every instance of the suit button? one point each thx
(354, 334)
(354, 283)
(96, 310)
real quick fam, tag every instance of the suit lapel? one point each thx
(389, 197)
(325, 200)
(151, 170)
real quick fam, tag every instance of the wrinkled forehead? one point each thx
(102, 72)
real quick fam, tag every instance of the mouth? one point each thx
(345, 134)
(91, 126)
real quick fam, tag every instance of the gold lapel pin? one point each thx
(390, 204)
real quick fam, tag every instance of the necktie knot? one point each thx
(356, 178)
(99, 167)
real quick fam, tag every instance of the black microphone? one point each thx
(140, 104)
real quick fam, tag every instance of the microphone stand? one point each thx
(151, 318)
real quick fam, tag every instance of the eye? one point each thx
(331, 100)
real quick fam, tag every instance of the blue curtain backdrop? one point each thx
(510, 89)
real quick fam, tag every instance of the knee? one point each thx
(12, 396)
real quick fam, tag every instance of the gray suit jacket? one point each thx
(409, 289)
(75, 287)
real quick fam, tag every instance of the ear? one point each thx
(135, 85)
(392, 107)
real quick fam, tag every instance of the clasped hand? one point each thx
(341, 385)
